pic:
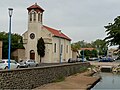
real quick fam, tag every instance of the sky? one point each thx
(78, 19)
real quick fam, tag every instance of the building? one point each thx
(81, 49)
(113, 53)
(0, 49)
(58, 45)
(18, 54)
(90, 49)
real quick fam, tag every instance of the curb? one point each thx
(91, 86)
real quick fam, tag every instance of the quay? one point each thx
(107, 66)
(80, 81)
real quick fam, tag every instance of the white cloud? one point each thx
(79, 19)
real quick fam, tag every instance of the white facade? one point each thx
(0, 49)
(55, 41)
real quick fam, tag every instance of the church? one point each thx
(57, 44)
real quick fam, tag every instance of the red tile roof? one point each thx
(87, 49)
(35, 6)
(57, 33)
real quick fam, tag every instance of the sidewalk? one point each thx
(75, 82)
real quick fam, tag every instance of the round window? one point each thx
(32, 35)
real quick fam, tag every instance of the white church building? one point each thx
(57, 44)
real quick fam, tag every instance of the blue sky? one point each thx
(79, 19)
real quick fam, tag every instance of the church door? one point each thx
(32, 54)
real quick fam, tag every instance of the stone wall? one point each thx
(30, 78)
(18, 54)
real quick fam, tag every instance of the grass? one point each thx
(60, 79)
(83, 69)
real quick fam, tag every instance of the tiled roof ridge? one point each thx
(35, 6)
(56, 32)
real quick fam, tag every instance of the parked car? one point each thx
(106, 59)
(31, 63)
(93, 59)
(4, 64)
(23, 64)
(71, 60)
(81, 60)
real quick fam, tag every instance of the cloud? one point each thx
(79, 19)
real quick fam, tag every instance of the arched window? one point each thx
(61, 48)
(67, 49)
(38, 16)
(30, 16)
(41, 18)
(34, 14)
(55, 48)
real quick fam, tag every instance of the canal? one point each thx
(109, 81)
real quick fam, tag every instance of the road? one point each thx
(116, 63)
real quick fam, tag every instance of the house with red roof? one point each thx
(87, 49)
(57, 44)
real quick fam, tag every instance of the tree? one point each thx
(16, 42)
(113, 32)
(76, 46)
(41, 48)
(101, 46)
(88, 53)
(80, 44)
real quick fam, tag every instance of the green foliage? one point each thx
(41, 48)
(94, 53)
(88, 53)
(16, 43)
(113, 32)
(83, 69)
(100, 47)
(75, 46)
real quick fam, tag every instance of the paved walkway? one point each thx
(75, 82)
(104, 63)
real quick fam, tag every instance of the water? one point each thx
(109, 81)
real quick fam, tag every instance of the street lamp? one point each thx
(82, 45)
(83, 55)
(60, 48)
(9, 38)
(98, 50)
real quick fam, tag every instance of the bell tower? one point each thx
(35, 24)
(35, 14)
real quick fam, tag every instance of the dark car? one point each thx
(108, 59)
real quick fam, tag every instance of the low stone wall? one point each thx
(30, 78)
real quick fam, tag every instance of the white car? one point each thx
(23, 64)
(4, 64)
(31, 63)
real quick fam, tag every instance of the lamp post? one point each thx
(83, 55)
(98, 49)
(82, 45)
(60, 48)
(9, 38)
